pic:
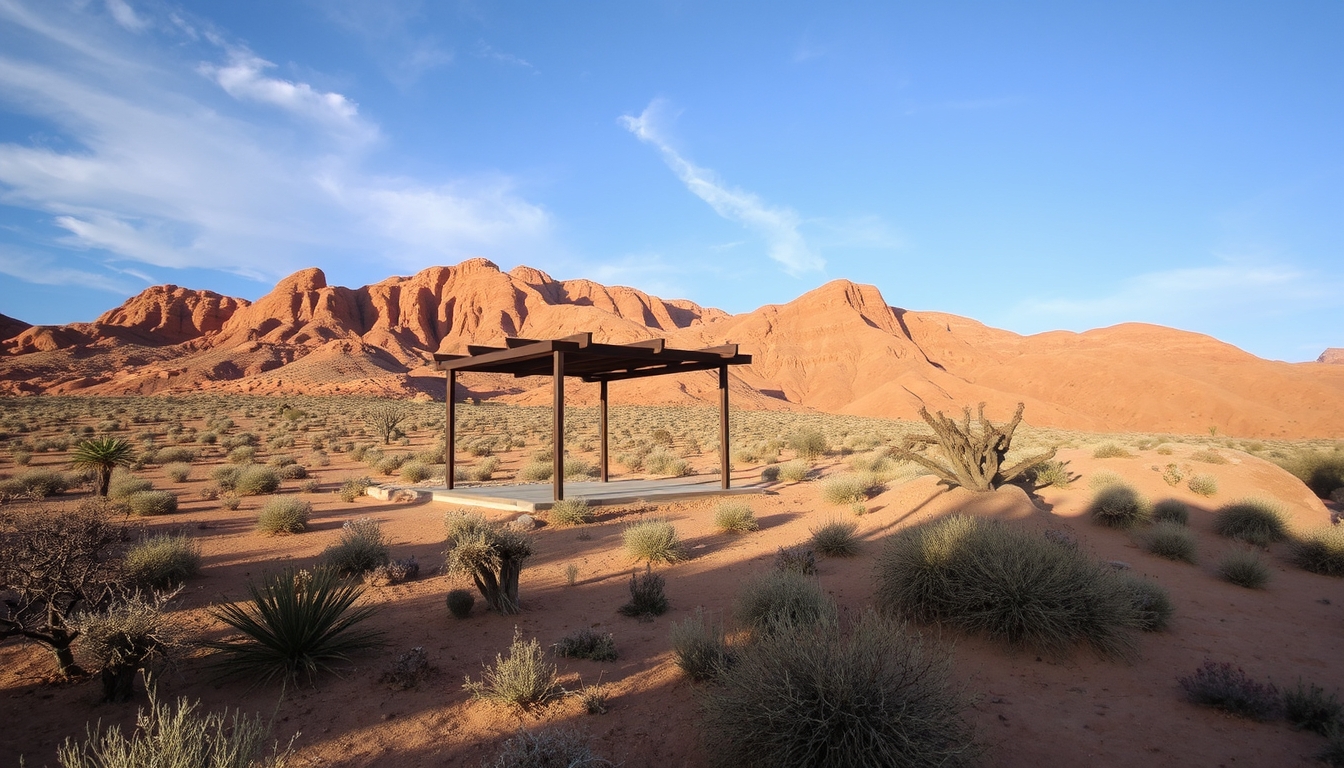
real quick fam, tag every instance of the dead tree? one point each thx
(972, 457)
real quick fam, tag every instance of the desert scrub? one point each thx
(484, 469)
(773, 599)
(1311, 708)
(122, 638)
(570, 512)
(162, 561)
(699, 646)
(1152, 603)
(460, 603)
(991, 579)
(1322, 472)
(536, 472)
(808, 442)
(492, 555)
(1110, 451)
(1171, 541)
(1204, 485)
(353, 488)
(850, 489)
(295, 624)
(1321, 551)
(1050, 474)
(35, 483)
(735, 517)
(256, 480)
(1229, 688)
(560, 747)
(124, 484)
(1244, 568)
(794, 471)
(654, 541)
(1253, 521)
(284, 514)
(361, 548)
(817, 696)
(414, 472)
(770, 474)
(1104, 479)
(523, 679)
(800, 559)
(836, 538)
(1208, 456)
(587, 644)
(178, 472)
(174, 455)
(408, 670)
(1171, 511)
(151, 503)
(243, 454)
(1172, 475)
(1119, 506)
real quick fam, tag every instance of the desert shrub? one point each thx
(408, 670)
(35, 483)
(1321, 551)
(122, 639)
(243, 454)
(580, 469)
(392, 572)
(353, 488)
(571, 512)
(492, 555)
(361, 548)
(987, 578)
(700, 647)
(293, 472)
(836, 538)
(1321, 472)
(174, 455)
(1110, 451)
(255, 480)
(550, 748)
(849, 489)
(1104, 479)
(1253, 521)
(319, 457)
(770, 474)
(794, 471)
(1333, 753)
(22, 457)
(389, 464)
(808, 442)
(167, 737)
(665, 463)
(1204, 485)
(281, 460)
(632, 461)
(1229, 688)
(230, 501)
(311, 485)
(460, 603)
(593, 698)
(647, 596)
(162, 560)
(536, 472)
(800, 559)
(653, 540)
(124, 484)
(1244, 568)
(178, 472)
(1172, 541)
(523, 679)
(1118, 506)
(208, 438)
(295, 624)
(1050, 474)
(1172, 475)
(1171, 511)
(773, 599)
(735, 517)
(148, 503)
(1208, 456)
(587, 644)
(1151, 602)
(484, 470)
(817, 696)
(1309, 707)
(284, 514)
(226, 477)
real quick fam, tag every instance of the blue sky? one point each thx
(1030, 165)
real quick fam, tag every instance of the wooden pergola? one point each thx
(578, 356)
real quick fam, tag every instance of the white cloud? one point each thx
(778, 226)
(487, 51)
(40, 270)
(125, 15)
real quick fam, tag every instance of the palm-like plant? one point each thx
(297, 623)
(103, 454)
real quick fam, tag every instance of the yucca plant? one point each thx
(297, 623)
(102, 455)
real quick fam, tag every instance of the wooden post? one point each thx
(723, 427)
(602, 428)
(558, 474)
(450, 440)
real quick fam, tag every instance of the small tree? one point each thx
(51, 567)
(385, 420)
(124, 638)
(103, 454)
(973, 458)
(492, 555)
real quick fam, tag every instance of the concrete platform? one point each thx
(536, 497)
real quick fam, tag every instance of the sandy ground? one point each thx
(1030, 711)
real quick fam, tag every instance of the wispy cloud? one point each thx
(125, 15)
(778, 226)
(486, 51)
(40, 269)
(392, 32)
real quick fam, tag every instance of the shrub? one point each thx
(1321, 472)
(149, 503)
(550, 748)
(1253, 521)
(770, 474)
(1171, 541)
(460, 603)
(1244, 568)
(1171, 511)
(1152, 603)
(816, 696)
(587, 644)
(230, 501)
(1333, 754)
(284, 514)
(178, 472)
(361, 548)
(35, 483)
(836, 538)
(794, 471)
(700, 647)
(243, 454)
(735, 517)
(849, 489)
(492, 555)
(1204, 485)
(987, 578)
(1119, 506)
(1172, 475)
(647, 597)
(571, 512)
(536, 472)
(122, 639)
(1312, 709)
(408, 670)
(311, 485)
(1208, 456)
(1104, 479)
(124, 485)
(226, 477)
(1050, 474)
(296, 623)
(1321, 551)
(22, 458)
(484, 470)
(808, 442)
(578, 468)
(353, 488)
(162, 561)
(1110, 451)
(293, 472)
(174, 455)
(256, 480)
(800, 559)
(414, 472)
(392, 572)
(523, 679)
(773, 599)
(653, 540)
(1228, 688)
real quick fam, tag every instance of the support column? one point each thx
(558, 443)
(723, 427)
(602, 428)
(450, 439)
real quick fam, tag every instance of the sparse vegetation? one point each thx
(1310, 707)
(284, 514)
(587, 644)
(1111, 451)
(800, 559)
(550, 748)
(1171, 541)
(1253, 521)
(773, 599)
(408, 670)
(836, 538)
(647, 596)
(460, 603)
(1204, 485)
(795, 471)
(361, 548)
(1119, 506)
(735, 517)
(162, 561)
(492, 555)
(972, 458)
(151, 503)
(700, 647)
(122, 638)
(654, 541)
(256, 480)
(523, 678)
(1244, 568)
(1152, 603)
(1171, 511)
(571, 512)
(1321, 551)
(849, 489)
(1229, 688)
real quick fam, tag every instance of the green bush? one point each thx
(1152, 603)
(1171, 511)
(162, 561)
(1204, 485)
(174, 455)
(226, 477)
(699, 646)
(178, 472)
(1172, 541)
(1244, 568)
(353, 488)
(284, 514)
(551, 748)
(1119, 506)
(653, 540)
(1110, 451)
(296, 624)
(850, 489)
(256, 480)
(460, 602)
(647, 597)
(149, 503)
(587, 644)
(523, 679)
(817, 696)
(836, 538)
(124, 484)
(808, 442)
(571, 512)
(1309, 707)
(773, 599)
(794, 471)
(243, 454)
(1321, 551)
(38, 483)
(987, 578)
(361, 548)
(536, 472)
(735, 517)
(1253, 521)
(1321, 472)
(1050, 474)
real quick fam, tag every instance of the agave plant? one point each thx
(297, 623)
(103, 454)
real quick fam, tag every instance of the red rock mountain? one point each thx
(840, 348)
